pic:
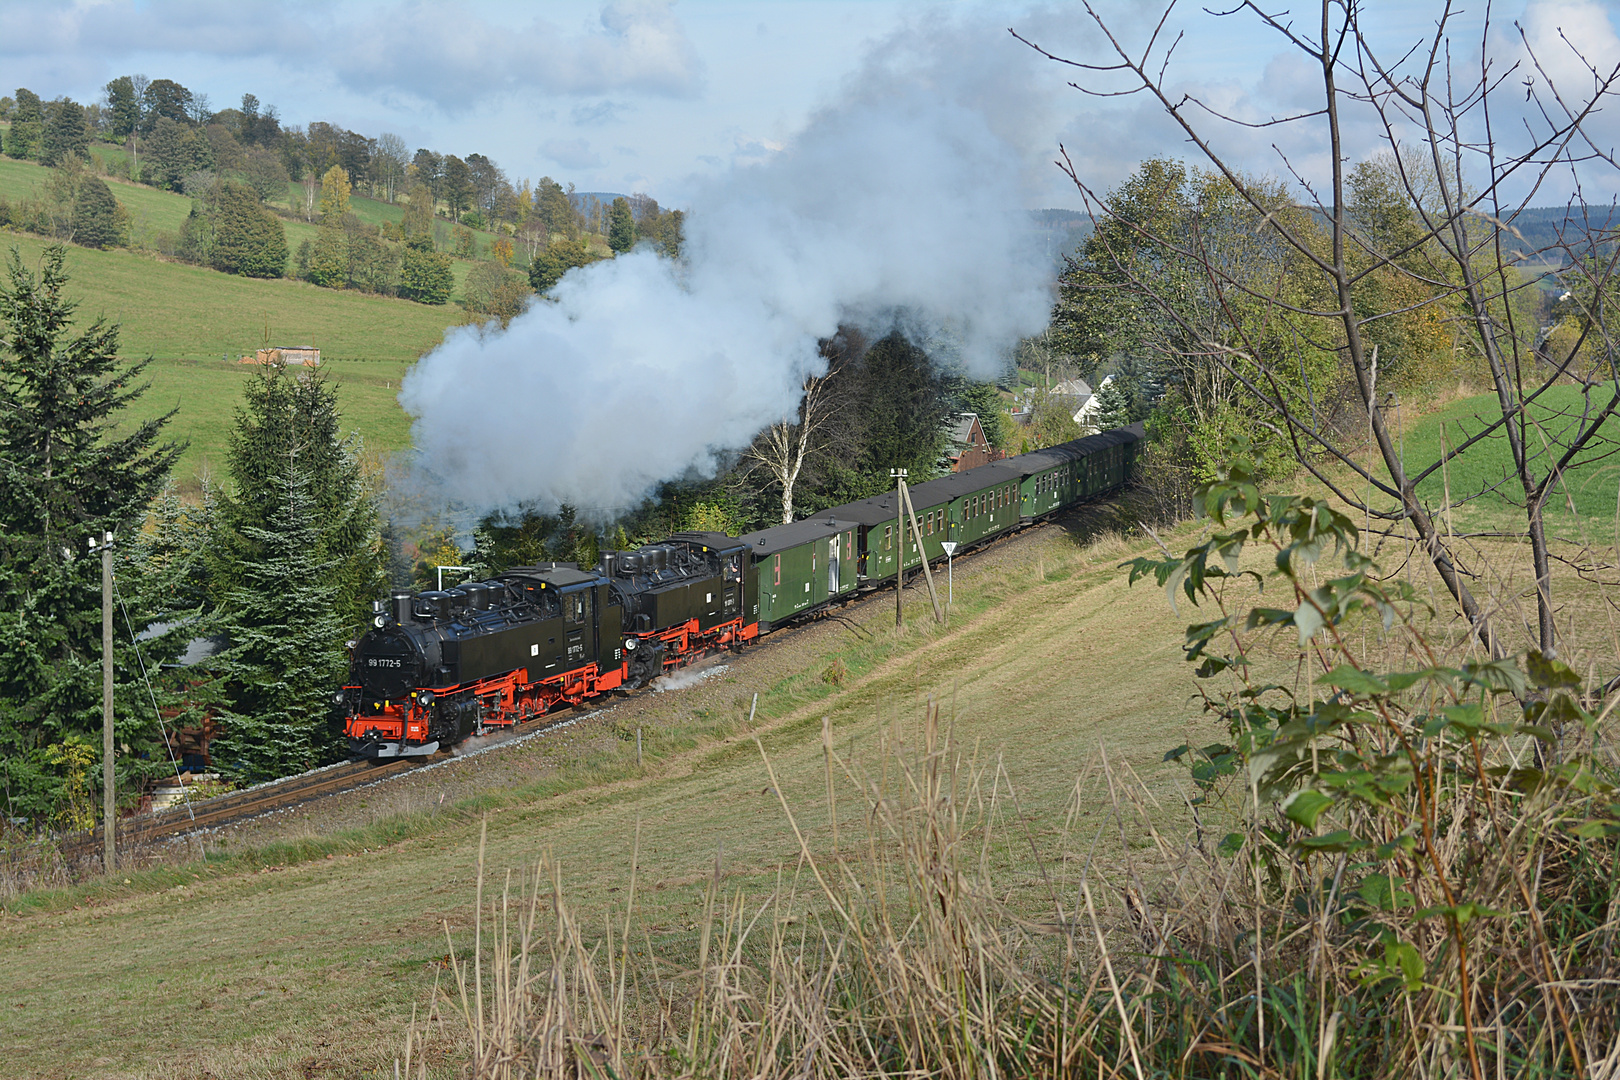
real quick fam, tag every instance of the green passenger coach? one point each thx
(794, 568)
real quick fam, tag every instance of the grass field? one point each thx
(196, 323)
(244, 973)
(306, 957)
(1481, 478)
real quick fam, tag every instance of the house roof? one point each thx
(962, 426)
(1076, 388)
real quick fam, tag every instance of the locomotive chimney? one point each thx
(401, 600)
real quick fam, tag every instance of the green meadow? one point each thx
(197, 323)
(1482, 479)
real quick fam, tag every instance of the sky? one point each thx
(646, 95)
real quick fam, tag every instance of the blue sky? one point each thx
(659, 97)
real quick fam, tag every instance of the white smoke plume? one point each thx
(907, 196)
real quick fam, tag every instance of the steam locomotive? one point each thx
(439, 666)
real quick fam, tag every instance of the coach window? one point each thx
(888, 537)
(778, 569)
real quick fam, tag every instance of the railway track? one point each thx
(292, 791)
(237, 805)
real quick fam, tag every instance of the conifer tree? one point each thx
(248, 238)
(286, 652)
(95, 214)
(621, 226)
(68, 472)
(292, 415)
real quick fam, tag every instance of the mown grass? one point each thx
(197, 323)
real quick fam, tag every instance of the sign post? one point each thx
(950, 578)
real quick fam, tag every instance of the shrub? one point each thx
(425, 275)
(249, 239)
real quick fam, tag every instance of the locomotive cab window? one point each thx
(574, 608)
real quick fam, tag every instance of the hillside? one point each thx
(324, 961)
(196, 323)
(156, 212)
(305, 940)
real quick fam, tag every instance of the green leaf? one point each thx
(1265, 616)
(1549, 672)
(1307, 620)
(1356, 681)
(1463, 913)
(1231, 844)
(1403, 956)
(1304, 806)
(1596, 829)
(1177, 753)
(1384, 892)
(1469, 717)
(1337, 840)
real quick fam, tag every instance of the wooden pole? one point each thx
(922, 552)
(899, 477)
(108, 802)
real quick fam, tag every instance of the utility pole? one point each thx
(899, 478)
(922, 552)
(109, 853)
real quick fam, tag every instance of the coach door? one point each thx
(832, 566)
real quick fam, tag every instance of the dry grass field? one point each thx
(301, 946)
(285, 962)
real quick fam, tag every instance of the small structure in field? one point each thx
(282, 355)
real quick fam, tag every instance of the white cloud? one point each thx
(571, 153)
(448, 55)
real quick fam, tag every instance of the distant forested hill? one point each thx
(1061, 231)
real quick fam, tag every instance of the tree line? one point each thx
(237, 163)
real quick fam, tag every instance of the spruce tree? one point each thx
(95, 214)
(621, 226)
(903, 418)
(286, 654)
(248, 238)
(70, 468)
(292, 414)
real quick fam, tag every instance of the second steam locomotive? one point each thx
(439, 666)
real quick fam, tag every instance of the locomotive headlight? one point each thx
(379, 621)
(425, 698)
(630, 643)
